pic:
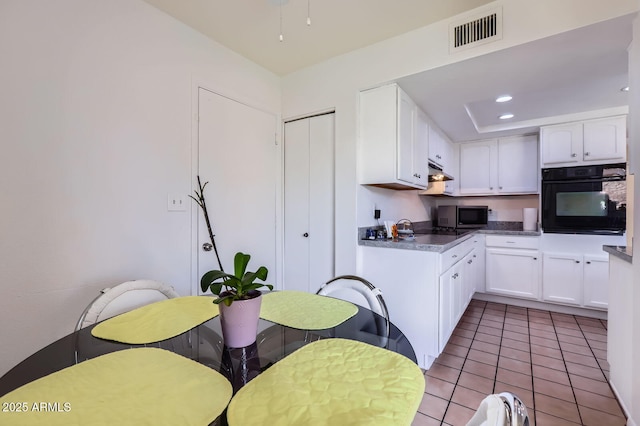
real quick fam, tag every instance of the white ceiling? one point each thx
(252, 27)
(571, 73)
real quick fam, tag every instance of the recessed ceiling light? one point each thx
(625, 89)
(503, 98)
(505, 116)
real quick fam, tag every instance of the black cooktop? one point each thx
(444, 231)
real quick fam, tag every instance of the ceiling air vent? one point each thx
(475, 30)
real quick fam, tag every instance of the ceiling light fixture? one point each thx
(505, 116)
(281, 35)
(280, 3)
(503, 98)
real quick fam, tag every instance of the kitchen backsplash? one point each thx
(425, 225)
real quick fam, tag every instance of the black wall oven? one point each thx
(584, 199)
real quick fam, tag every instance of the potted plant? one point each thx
(239, 299)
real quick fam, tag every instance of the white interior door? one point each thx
(238, 156)
(308, 202)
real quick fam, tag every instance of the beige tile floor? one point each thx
(555, 363)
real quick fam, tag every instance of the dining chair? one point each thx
(360, 291)
(123, 298)
(502, 409)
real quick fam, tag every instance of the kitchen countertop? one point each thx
(441, 243)
(422, 242)
(621, 252)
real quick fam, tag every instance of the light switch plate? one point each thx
(176, 203)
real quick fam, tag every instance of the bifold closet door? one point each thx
(308, 202)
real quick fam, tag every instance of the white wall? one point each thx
(95, 130)
(504, 208)
(634, 165)
(336, 82)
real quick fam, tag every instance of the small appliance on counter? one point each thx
(457, 217)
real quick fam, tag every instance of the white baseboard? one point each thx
(534, 304)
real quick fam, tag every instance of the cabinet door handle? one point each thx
(588, 262)
(306, 234)
(577, 261)
(470, 261)
(455, 276)
(535, 258)
(574, 154)
(500, 187)
(586, 154)
(454, 256)
(491, 188)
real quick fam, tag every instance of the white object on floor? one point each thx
(503, 409)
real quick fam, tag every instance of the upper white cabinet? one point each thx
(598, 141)
(478, 168)
(500, 166)
(440, 149)
(394, 141)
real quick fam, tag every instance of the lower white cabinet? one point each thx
(451, 301)
(426, 292)
(576, 279)
(513, 272)
(562, 278)
(513, 266)
(457, 285)
(596, 282)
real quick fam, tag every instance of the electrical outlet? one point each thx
(176, 203)
(376, 214)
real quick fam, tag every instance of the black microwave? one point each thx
(463, 216)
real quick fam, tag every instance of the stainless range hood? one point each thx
(436, 174)
(436, 181)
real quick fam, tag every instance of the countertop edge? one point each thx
(621, 252)
(440, 248)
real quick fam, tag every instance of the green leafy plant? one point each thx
(239, 286)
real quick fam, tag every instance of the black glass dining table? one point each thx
(204, 344)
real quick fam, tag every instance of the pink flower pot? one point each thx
(240, 322)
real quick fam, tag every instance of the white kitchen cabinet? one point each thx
(596, 281)
(478, 167)
(451, 285)
(513, 266)
(475, 269)
(518, 166)
(425, 292)
(599, 141)
(452, 187)
(408, 280)
(456, 285)
(562, 278)
(439, 149)
(500, 166)
(576, 279)
(393, 148)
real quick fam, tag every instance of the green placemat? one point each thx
(157, 321)
(332, 382)
(129, 387)
(305, 311)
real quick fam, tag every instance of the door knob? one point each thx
(207, 247)
(306, 234)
